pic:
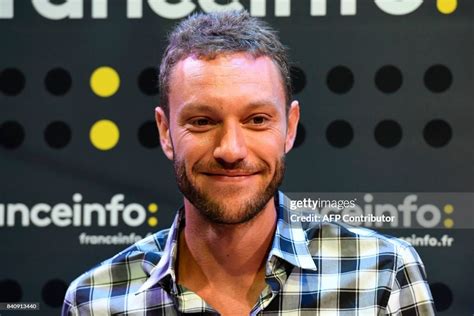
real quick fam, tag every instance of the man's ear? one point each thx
(164, 131)
(292, 125)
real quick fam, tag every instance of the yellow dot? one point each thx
(152, 221)
(105, 81)
(104, 134)
(153, 207)
(448, 208)
(448, 223)
(446, 6)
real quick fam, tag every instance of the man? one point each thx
(226, 121)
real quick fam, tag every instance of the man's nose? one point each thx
(231, 145)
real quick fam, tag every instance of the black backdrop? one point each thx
(386, 90)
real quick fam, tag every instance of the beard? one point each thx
(230, 211)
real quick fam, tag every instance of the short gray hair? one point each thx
(207, 35)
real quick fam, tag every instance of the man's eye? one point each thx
(258, 120)
(201, 122)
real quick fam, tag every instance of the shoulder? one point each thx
(365, 259)
(122, 273)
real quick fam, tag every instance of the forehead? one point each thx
(236, 76)
(227, 64)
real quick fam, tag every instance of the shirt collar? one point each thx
(289, 243)
(165, 269)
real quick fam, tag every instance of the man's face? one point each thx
(227, 133)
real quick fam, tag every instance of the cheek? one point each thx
(272, 141)
(268, 150)
(190, 149)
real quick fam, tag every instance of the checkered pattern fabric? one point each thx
(312, 269)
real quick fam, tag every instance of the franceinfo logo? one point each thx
(134, 9)
(78, 213)
(386, 210)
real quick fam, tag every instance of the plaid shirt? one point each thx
(312, 269)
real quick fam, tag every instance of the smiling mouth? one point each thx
(230, 176)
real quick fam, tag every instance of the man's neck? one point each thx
(226, 251)
(225, 264)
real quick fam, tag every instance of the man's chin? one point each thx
(226, 200)
(230, 216)
(229, 194)
(231, 208)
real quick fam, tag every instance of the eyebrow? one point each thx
(263, 103)
(196, 107)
